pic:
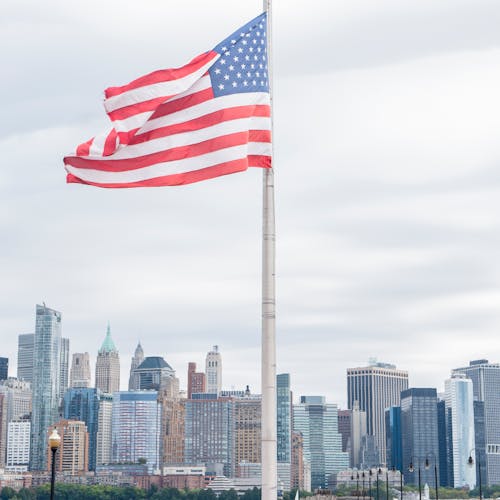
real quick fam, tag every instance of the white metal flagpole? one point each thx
(269, 453)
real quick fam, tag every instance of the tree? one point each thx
(7, 492)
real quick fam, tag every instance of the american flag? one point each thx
(208, 118)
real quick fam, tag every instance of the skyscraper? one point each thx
(376, 387)
(107, 367)
(4, 368)
(172, 427)
(284, 417)
(136, 428)
(153, 373)
(419, 434)
(82, 403)
(358, 433)
(247, 430)
(18, 445)
(64, 368)
(485, 378)
(104, 429)
(25, 346)
(317, 421)
(80, 370)
(47, 382)
(72, 455)
(394, 448)
(213, 371)
(137, 359)
(197, 381)
(459, 404)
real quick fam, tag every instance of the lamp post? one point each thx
(471, 463)
(412, 469)
(363, 484)
(379, 471)
(54, 443)
(357, 484)
(427, 465)
(386, 484)
(401, 482)
(370, 473)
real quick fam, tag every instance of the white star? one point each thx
(254, 83)
(258, 33)
(227, 54)
(223, 61)
(262, 83)
(240, 50)
(221, 87)
(252, 66)
(257, 74)
(231, 68)
(233, 41)
(250, 49)
(217, 71)
(262, 42)
(243, 66)
(238, 75)
(249, 74)
(236, 58)
(254, 41)
(235, 84)
(244, 42)
(258, 49)
(255, 58)
(242, 34)
(223, 49)
(226, 77)
(247, 58)
(245, 83)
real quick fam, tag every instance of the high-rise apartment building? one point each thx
(376, 387)
(172, 427)
(18, 445)
(107, 367)
(64, 368)
(208, 435)
(459, 404)
(46, 382)
(137, 359)
(485, 378)
(247, 430)
(82, 403)
(104, 429)
(197, 381)
(213, 371)
(419, 434)
(25, 346)
(72, 454)
(284, 418)
(317, 421)
(136, 428)
(4, 368)
(80, 370)
(297, 462)
(153, 373)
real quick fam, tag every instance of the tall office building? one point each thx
(136, 428)
(18, 397)
(72, 455)
(208, 434)
(197, 381)
(107, 367)
(345, 429)
(213, 371)
(153, 373)
(137, 359)
(485, 378)
(64, 368)
(460, 407)
(18, 445)
(297, 462)
(376, 387)
(80, 370)
(25, 346)
(104, 429)
(394, 448)
(46, 385)
(317, 421)
(171, 427)
(247, 430)
(82, 403)
(4, 368)
(358, 433)
(419, 434)
(284, 418)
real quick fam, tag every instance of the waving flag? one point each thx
(177, 126)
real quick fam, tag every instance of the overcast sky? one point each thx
(387, 165)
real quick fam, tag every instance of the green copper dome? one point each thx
(108, 345)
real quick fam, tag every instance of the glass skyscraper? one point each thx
(284, 422)
(317, 421)
(25, 346)
(83, 404)
(485, 378)
(393, 437)
(46, 386)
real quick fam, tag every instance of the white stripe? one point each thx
(160, 169)
(203, 83)
(97, 146)
(156, 90)
(190, 138)
(141, 121)
(260, 148)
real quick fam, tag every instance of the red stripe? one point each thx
(218, 170)
(163, 75)
(180, 153)
(84, 149)
(110, 143)
(135, 109)
(182, 103)
(223, 115)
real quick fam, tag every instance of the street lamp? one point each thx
(427, 465)
(370, 473)
(471, 463)
(54, 443)
(412, 469)
(379, 471)
(363, 486)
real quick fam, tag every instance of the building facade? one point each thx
(376, 387)
(107, 367)
(63, 368)
(284, 418)
(213, 371)
(197, 381)
(153, 374)
(46, 382)
(317, 421)
(18, 445)
(72, 454)
(137, 359)
(103, 438)
(25, 346)
(419, 435)
(4, 368)
(485, 378)
(136, 428)
(394, 447)
(80, 370)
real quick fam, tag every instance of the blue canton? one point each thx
(242, 65)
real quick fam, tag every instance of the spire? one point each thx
(108, 345)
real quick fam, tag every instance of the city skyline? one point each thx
(386, 188)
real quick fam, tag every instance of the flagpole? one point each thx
(268, 381)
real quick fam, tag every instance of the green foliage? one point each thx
(7, 492)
